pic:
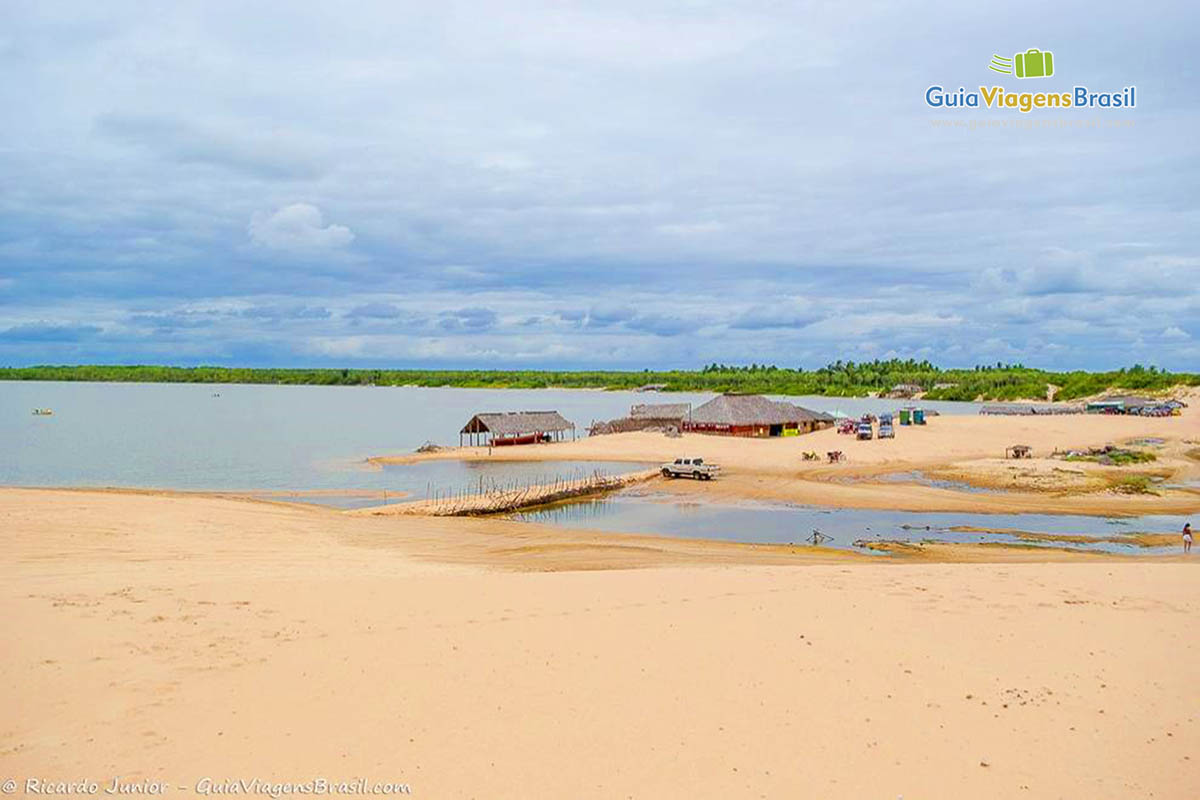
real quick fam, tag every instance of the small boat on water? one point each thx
(43, 412)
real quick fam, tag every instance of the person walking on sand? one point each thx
(1187, 538)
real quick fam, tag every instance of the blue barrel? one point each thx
(918, 416)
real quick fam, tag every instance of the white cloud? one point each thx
(338, 346)
(690, 228)
(506, 162)
(299, 227)
(648, 184)
(1175, 332)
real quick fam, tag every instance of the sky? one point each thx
(593, 185)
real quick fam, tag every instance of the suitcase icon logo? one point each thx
(1033, 63)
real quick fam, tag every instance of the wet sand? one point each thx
(182, 636)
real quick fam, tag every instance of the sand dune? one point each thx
(184, 637)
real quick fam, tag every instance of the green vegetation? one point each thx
(841, 379)
(1133, 484)
(1118, 458)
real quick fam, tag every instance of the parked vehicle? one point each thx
(865, 431)
(690, 468)
(886, 431)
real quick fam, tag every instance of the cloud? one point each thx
(375, 311)
(48, 332)
(244, 151)
(766, 317)
(604, 316)
(470, 319)
(175, 320)
(286, 312)
(612, 184)
(690, 228)
(299, 227)
(661, 324)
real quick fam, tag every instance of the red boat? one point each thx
(532, 438)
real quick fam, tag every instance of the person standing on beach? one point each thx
(1187, 538)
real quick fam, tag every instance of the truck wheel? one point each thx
(666, 472)
(696, 475)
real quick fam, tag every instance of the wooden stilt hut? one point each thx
(515, 427)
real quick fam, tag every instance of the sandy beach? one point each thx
(964, 448)
(184, 637)
(270, 274)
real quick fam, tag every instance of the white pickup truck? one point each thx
(690, 468)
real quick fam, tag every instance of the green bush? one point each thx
(840, 379)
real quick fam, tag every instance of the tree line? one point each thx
(840, 379)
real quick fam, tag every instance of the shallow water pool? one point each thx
(781, 523)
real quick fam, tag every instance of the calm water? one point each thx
(181, 436)
(780, 523)
(295, 439)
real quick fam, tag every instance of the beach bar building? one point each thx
(515, 427)
(1120, 404)
(753, 415)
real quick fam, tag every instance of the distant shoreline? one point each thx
(919, 381)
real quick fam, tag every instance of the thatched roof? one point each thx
(750, 409)
(1129, 400)
(1021, 410)
(515, 423)
(659, 411)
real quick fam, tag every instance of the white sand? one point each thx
(182, 637)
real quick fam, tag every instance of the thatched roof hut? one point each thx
(904, 391)
(516, 427)
(673, 412)
(754, 415)
(645, 417)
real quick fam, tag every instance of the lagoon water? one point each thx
(239, 437)
(785, 523)
(299, 439)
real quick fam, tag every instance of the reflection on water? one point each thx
(770, 523)
(920, 478)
